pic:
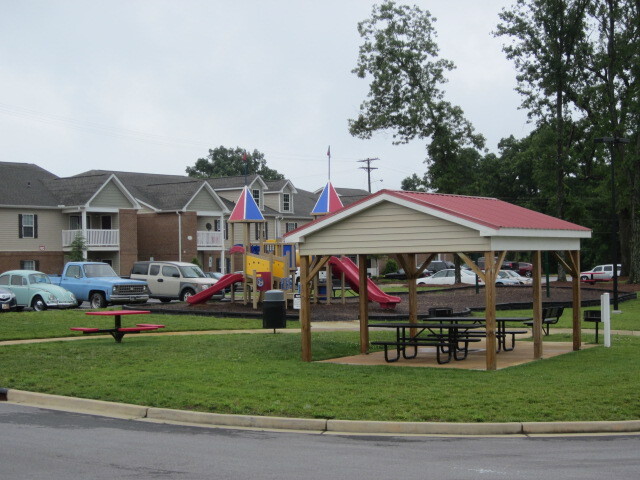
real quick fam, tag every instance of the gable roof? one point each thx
(489, 216)
(23, 185)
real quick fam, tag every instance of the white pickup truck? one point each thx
(601, 273)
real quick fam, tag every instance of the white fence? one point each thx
(210, 239)
(94, 238)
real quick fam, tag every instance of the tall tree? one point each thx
(400, 54)
(228, 162)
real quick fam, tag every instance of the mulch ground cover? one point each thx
(460, 299)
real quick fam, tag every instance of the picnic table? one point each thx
(118, 331)
(450, 339)
(503, 332)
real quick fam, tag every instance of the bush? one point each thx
(390, 267)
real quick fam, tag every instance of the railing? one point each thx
(210, 239)
(94, 238)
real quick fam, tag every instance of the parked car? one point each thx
(172, 280)
(601, 273)
(216, 276)
(8, 301)
(448, 276)
(34, 289)
(505, 278)
(98, 284)
(437, 265)
(401, 275)
(525, 269)
(515, 275)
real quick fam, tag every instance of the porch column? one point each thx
(223, 231)
(537, 304)
(364, 304)
(84, 234)
(305, 308)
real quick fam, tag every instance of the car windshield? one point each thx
(192, 272)
(39, 278)
(99, 270)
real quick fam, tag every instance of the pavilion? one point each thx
(406, 224)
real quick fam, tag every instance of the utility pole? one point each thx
(368, 168)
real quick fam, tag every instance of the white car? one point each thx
(516, 276)
(601, 273)
(509, 277)
(448, 276)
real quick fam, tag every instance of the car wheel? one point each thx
(528, 274)
(584, 278)
(97, 300)
(186, 294)
(38, 304)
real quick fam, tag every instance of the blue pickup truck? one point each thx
(98, 284)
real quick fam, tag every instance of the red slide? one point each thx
(352, 277)
(223, 283)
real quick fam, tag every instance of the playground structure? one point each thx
(269, 264)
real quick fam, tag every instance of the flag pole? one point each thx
(244, 159)
(329, 162)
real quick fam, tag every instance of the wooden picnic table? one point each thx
(118, 331)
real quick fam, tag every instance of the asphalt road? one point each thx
(44, 444)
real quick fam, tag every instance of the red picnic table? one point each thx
(118, 331)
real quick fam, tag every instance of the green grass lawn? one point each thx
(262, 374)
(56, 323)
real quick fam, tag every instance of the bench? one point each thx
(550, 316)
(501, 337)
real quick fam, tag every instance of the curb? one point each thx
(309, 425)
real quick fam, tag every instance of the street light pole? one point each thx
(613, 142)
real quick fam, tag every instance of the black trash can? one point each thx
(274, 310)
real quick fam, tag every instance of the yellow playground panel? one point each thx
(262, 263)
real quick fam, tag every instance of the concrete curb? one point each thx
(311, 425)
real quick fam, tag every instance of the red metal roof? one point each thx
(490, 212)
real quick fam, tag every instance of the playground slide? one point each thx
(352, 277)
(223, 283)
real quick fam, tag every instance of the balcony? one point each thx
(208, 239)
(95, 238)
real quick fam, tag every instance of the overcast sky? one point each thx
(150, 86)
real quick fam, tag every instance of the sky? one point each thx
(150, 85)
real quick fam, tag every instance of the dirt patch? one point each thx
(460, 299)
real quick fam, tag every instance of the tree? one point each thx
(405, 96)
(227, 162)
(78, 247)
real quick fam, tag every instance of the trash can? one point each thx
(274, 310)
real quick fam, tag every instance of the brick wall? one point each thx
(128, 239)
(158, 236)
(48, 262)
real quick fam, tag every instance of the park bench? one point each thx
(550, 316)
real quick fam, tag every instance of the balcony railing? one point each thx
(208, 239)
(94, 238)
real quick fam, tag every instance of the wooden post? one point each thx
(537, 304)
(413, 289)
(305, 309)
(247, 249)
(329, 284)
(364, 304)
(343, 285)
(577, 299)
(490, 311)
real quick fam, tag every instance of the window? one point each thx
(226, 230)
(256, 196)
(105, 222)
(27, 225)
(286, 202)
(17, 281)
(216, 225)
(257, 231)
(75, 222)
(291, 226)
(154, 270)
(140, 269)
(74, 271)
(4, 280)
(264, 228)
(170, 271)
(28, 265)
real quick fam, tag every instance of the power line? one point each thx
(368, 168)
